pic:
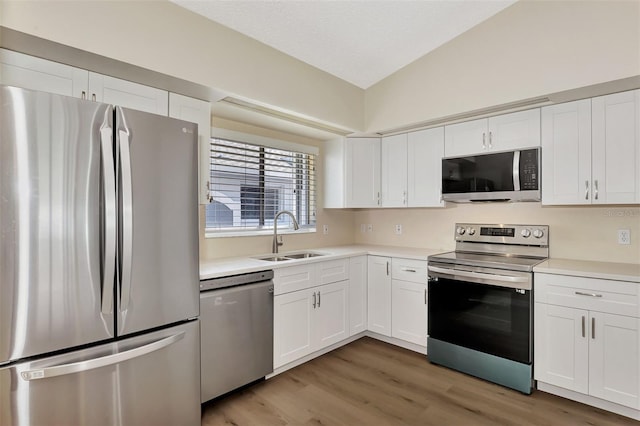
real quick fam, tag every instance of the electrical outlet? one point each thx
(624, 236)
(398, 229)
(363, 228)
(369, 228)
(325, 229)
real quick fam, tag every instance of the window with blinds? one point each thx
(250, 183)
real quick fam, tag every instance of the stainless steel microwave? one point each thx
(499, 176)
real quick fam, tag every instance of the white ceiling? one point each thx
(361, 42)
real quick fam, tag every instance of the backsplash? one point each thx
(581, 232)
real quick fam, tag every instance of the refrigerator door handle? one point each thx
(81, 366)
(110, 212)
(127, 213)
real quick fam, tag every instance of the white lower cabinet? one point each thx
(308, 320)
(409, 300)
(379, 295)
(357, 295)
(583, 343)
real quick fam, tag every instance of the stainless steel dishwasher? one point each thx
(236, 332)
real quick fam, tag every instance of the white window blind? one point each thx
(250, 183)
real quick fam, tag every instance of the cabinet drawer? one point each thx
(332, 271)
(294, 278)
(409, 270)
(609, 296)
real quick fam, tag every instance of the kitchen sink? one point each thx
(274, 258)
(303, 255)
(292, 256)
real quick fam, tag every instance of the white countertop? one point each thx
(241, 265)
(590, 269)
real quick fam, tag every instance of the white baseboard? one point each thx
(397, 342)
(589, 400)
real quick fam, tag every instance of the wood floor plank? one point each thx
(369, 382)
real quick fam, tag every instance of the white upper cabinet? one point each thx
(591, 151)
(28, 72)
(500, 133)
(616, 148)
(127, 94)
(362, 172)
(424, 167)
(196, 111)
(394, 171)
(566, 153)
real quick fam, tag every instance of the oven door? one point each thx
(488, 310)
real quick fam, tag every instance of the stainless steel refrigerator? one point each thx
(98, 264)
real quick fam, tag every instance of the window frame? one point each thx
(264, 229)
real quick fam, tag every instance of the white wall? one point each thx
(340, 221)
(530, 49)
(588, 233)
(163, 37)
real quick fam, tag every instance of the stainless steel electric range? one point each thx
(481, 302)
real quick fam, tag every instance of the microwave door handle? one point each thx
(516, 171)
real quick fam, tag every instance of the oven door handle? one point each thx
(484, 278)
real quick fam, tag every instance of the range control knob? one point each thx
(525, 233)
(538, 233)
(471, 231)
(460, 230)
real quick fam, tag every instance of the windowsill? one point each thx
(265, 232)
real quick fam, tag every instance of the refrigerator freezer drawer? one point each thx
(144, 380)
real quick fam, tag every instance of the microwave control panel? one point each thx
(529, 175)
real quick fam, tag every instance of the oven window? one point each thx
(490, 319)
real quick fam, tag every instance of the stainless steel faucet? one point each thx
(277, 244)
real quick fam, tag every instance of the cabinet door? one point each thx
(128, 94)
(29, 72)
(425, 150)
(561, 346)
(362, 172)
(196, 111)
(616, 148)
(330, 318)
(514, 131)
(409, 311)
(469, 137)
(379, 295)
(292, 322)
(394, 171)
(614, 358)
(357, 294)
(566, 153)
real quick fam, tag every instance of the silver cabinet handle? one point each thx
(93, 97)
(387, 267)
(580, 293)
(404, 198)
(583, 326)
(104, 361)
(484, 144)
(490, 140)
(378, 197)
(425, 296)
(586, 189)
(110, 211)
(318, 299)
(127, 212)
(595, 185)
(84, 95)
(408, 270)
(314, 300)
(593, 328)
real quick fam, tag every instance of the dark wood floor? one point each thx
(369, 382)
